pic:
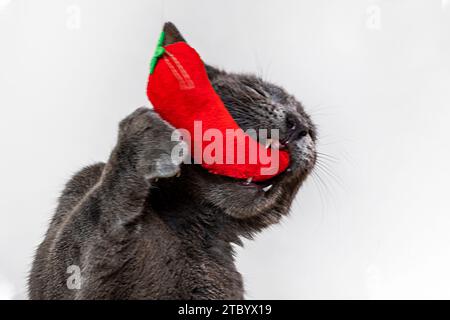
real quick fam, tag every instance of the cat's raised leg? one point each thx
(90, 228)
(143, 154)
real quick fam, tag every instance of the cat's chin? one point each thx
(253, 198)
(244, 199)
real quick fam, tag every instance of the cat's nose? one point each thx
(295, 129)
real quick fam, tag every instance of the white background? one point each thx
(375, 76)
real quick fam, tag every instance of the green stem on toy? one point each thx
(159, 51)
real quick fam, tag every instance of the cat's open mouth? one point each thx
(264, 186)
(267, 185)
(302, 156)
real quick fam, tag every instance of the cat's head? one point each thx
(254, 104)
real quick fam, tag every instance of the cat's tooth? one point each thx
(265, 189)
(249, 180)
(156, 179)
(178, 174)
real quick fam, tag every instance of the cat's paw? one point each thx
(147, 145)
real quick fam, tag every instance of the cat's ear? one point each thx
(171, 34)
(213, 72)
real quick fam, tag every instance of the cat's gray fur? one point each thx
(135, 236)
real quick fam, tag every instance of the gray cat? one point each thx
(142, 227)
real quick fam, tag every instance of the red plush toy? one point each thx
(182, 94)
